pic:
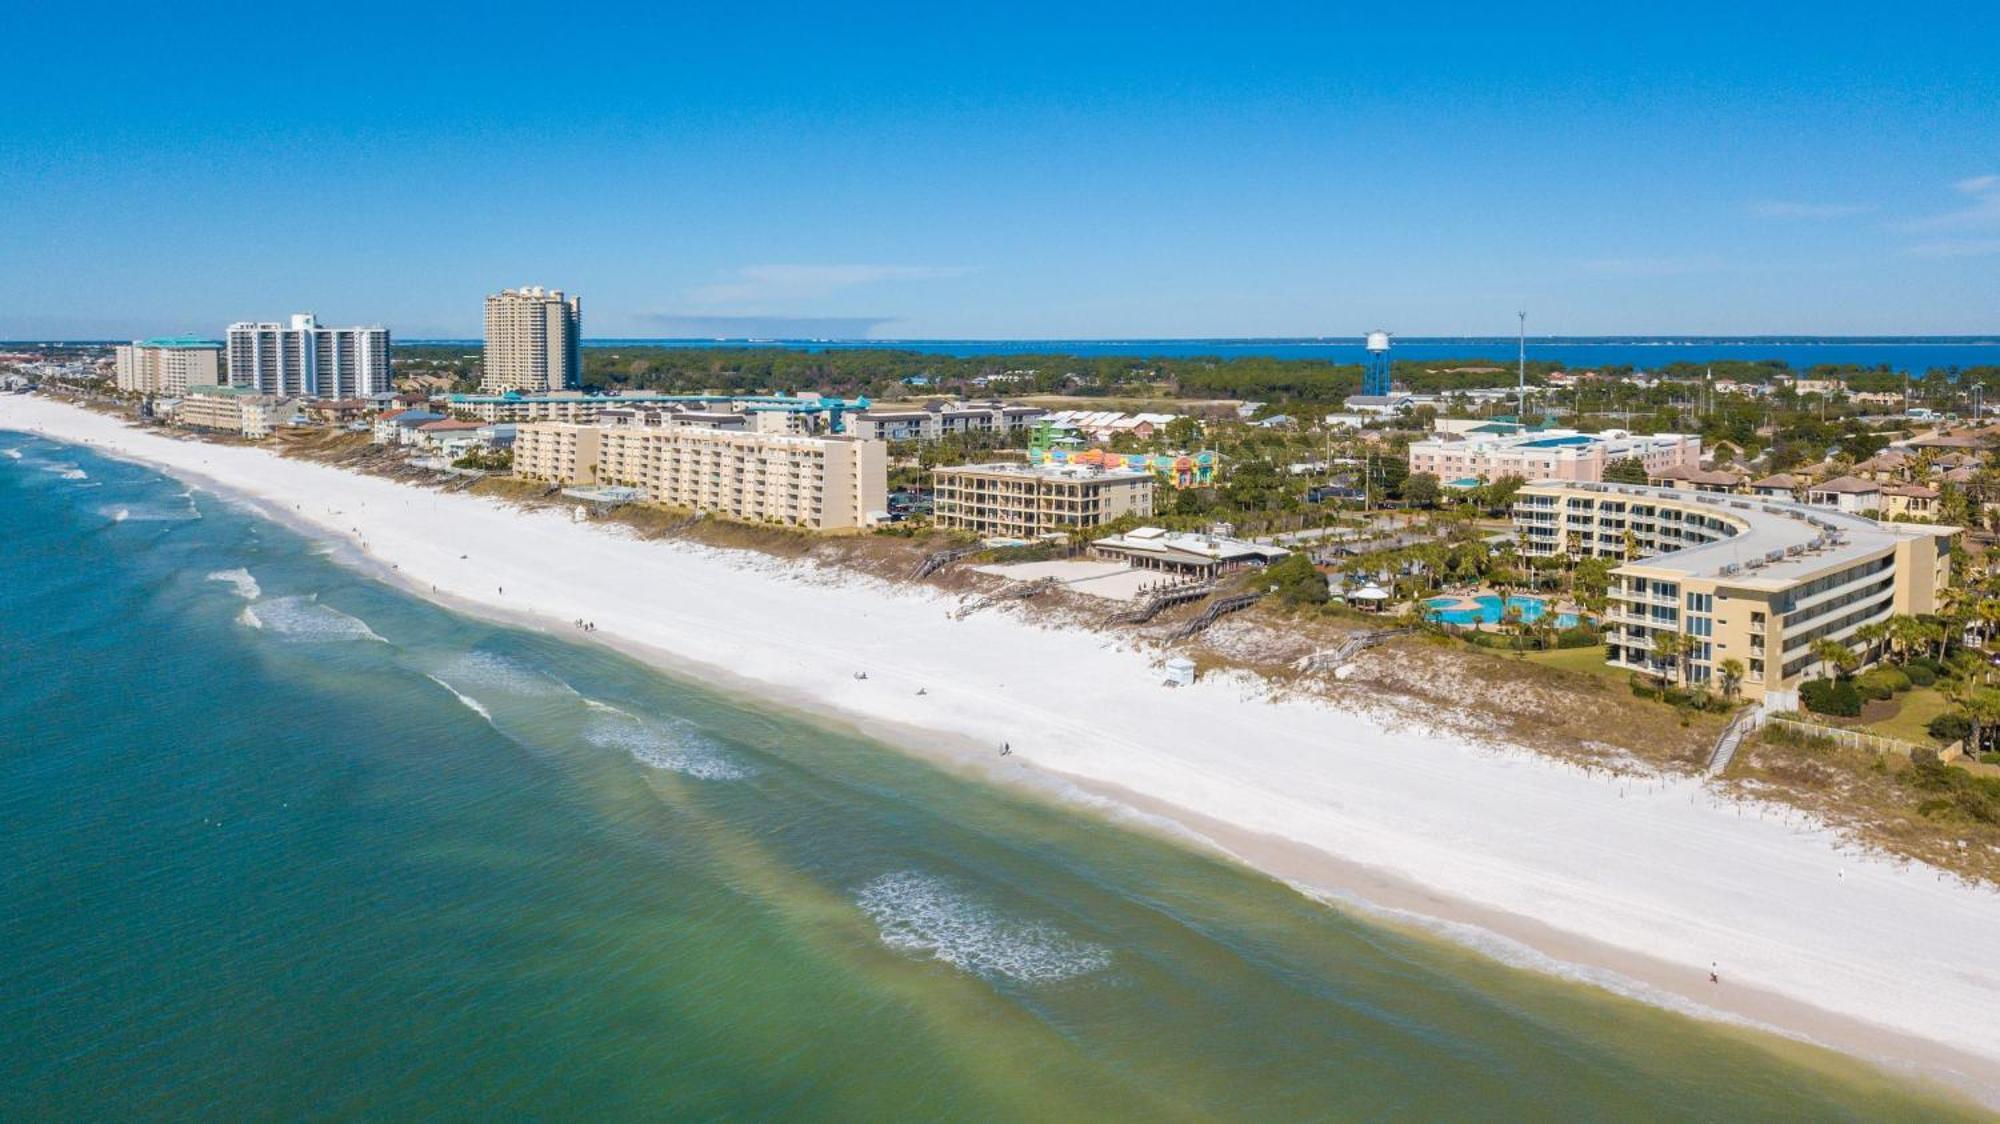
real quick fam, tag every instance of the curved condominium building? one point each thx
(1753, 579)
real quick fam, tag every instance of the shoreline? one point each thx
(1460, 837)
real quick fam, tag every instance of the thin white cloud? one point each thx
(1983, 213)
(1792, 209)
(758, 284)
(1955, 248)
(1651, 267)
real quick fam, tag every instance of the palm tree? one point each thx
(1832, 653)
(1906, 633)
(1667, 650)
(1870, 637)
(1731, 672)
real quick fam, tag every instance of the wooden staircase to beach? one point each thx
(1217, 609)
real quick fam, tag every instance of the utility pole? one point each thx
(1522, 373)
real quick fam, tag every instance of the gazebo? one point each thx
(1370, 597)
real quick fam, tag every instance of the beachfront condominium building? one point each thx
(1549, 454)
(1021, 501)
(822, 483)
(232, 409)
(1734, 577)
(168, 365)
(302, 359)
(534, 341)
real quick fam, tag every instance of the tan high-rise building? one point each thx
(169, 365)
(824, 483)
(534, 341)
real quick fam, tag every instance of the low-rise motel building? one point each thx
(825, 483)
(1739, 577)
(1019, 501)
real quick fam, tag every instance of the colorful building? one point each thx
(1051, 447)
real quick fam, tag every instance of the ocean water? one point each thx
(281, 841)
(1915, 354)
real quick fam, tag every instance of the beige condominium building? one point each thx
(169, 365)
(823, 483)
(1023, 501)
(232, 409)
(534, 341)
(1739, 577)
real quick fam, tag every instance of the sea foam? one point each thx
(926, 915)
(504, 674)
(239, 580)
(676, 747)
(305, 620)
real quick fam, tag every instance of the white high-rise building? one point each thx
(534, 340)
(304, 359)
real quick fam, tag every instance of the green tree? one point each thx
(1731, 672)
(1841, 658)
(1421, 490)
(1668, 647)
(1625, 470)
(1297, 581)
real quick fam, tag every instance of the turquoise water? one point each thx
(284, 842)
(1491, 609)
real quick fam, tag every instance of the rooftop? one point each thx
(1049, 471)
(1776, 543)
(181, 343)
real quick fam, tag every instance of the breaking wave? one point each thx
(75, 474)
(472, 704)
(504, 674)
(675, 747)
(926, 915)
(239, 580)
(11, 454)
(149, 513)
(306, 620)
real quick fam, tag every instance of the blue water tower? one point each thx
(1375, 381)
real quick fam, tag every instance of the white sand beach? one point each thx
(1632, 884)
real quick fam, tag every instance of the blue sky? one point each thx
(1012, 171)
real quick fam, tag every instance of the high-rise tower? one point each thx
(534, 340)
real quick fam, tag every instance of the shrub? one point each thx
(1928, 664)
(1831, 696)
(1582, 636)
(1950, 727)
(1919, 675)
(1890, 678)
(1297, 581)
(1954, 792)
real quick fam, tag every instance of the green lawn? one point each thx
(1915, 709)
(1589, 659)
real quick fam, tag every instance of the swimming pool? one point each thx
(1491, 608)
